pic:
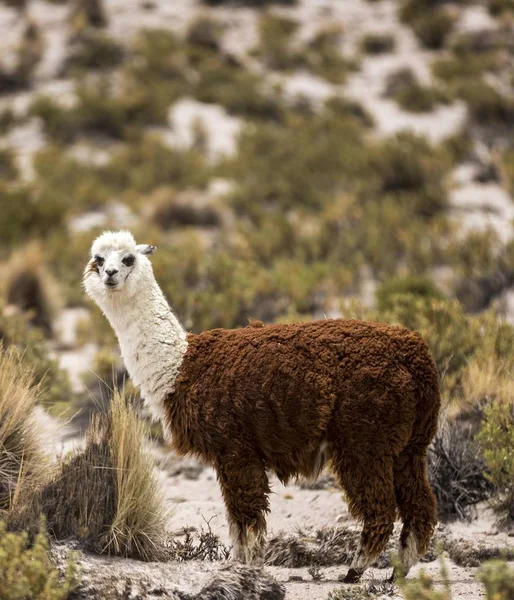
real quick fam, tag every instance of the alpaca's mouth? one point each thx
(111, 284)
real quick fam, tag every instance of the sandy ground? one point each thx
(194, 498)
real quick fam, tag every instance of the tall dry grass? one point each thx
(107, 494)
(30, 287)
(24, 465)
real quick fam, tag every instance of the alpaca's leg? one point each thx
(417, 507)
(245, 488)
(368, 483)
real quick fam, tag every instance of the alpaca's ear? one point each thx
(146, 249)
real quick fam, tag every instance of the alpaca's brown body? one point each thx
(284, 397)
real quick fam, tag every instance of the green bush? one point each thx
(433, 28)
(453, 337)
(8, 168)
(415, 285)
(497, 439)
(423, 588)
(206, 32)
(487, 105)
(507, 163)
(67, 185)
(377, 43)
(298, 164)
(403, 86)
(27, 572)
(276, 34)
(415, 172)
(498, 579)
(93, 49)
(23, 216)
(7, 120)
(431, 22)
(53, 382)
(148, 163)
(499, 7)
(322, 56)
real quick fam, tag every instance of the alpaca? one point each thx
(284, 398)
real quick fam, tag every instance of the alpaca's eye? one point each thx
(99, 260)
(128, 261)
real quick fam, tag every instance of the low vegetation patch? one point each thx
(26, 571)
(497, 439)
(377, 43)
(404, 87)
(457, 472)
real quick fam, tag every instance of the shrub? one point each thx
(54, 386)
(59, 122)
(403, 86)
(205, 32)
(507, 165)
(316, 156)
(26, 570)
(322, 56)
(148, 163)
(8, 168)
(23, 216)
(30, 287)
(107, 495)
(487, 105)
(415, 285)
(92, 49)
(408, 167)
(167, 209)
(88, 13)
(276, 33)
(465, 66)
(497, 439)
(498, 579)
(377, 43)
(452, 336)
(430, 22)
(23, 464)
(7, 120)
(456, 471)
(27, 56)
(433, 28)
(238, 90)
(499, 7)
(371, 589)
(423, 586)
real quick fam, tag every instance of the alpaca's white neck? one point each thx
(152, 341)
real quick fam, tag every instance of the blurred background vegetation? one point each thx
(290, 163)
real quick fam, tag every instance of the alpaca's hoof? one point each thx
(353, 576)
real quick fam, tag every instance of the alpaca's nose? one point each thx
(111, 272)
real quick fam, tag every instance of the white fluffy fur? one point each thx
(152, 341)
(409, 554)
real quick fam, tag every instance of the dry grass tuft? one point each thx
(456, 471)
(107, 495)
(23, 464)
(329, 546)
(31, 288)
(198, 545)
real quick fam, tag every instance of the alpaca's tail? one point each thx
(414, 496)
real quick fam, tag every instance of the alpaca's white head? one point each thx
(118, 266)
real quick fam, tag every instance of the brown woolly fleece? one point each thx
(284, 398)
